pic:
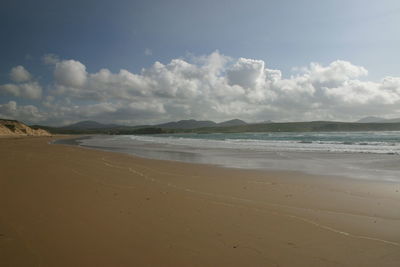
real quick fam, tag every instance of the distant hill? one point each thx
(86, 125)
(393, 120)
(373, 119)
(186, 124)
(235, 122)
(231, 126)
(193, 124)
(17, 128)
(93, 127)
(313, 126)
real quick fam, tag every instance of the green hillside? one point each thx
(315, 126)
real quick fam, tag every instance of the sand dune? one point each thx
(17, 128)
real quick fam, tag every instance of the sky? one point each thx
(139, 62)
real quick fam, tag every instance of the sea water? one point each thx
(365, 155)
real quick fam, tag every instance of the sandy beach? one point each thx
(69, 206)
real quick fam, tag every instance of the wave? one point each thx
(263, 144)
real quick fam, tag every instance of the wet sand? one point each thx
(69, 206)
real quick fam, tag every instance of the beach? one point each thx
(64, 205)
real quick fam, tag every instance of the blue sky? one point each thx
(133, 35)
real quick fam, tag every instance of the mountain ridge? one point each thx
(232, 126)
(88, 124)
(181, 124)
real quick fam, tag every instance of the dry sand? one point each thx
(69, 206)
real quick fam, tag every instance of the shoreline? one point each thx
(65, 206)
(225, 160)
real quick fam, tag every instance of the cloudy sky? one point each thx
(135, 62)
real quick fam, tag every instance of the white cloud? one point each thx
(335, 73)
(50, 59)
(214, 87)
(247, 73)
(30, 90)
(23, 86)
(27, 113)
(219, 87)
(20, 74)
(70, 73)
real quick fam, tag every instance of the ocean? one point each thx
(361, 155)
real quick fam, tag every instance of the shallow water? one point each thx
(363, 155)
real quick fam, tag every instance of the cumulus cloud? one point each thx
(247, 73)
(30, 90)
(215, 87)
(335, 73)
(20, 74)
(50, 59)
(219, 87)
(23, 85)
(28, 113)
(70, 73)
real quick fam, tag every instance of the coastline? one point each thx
(68, 206)
(351, 165)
